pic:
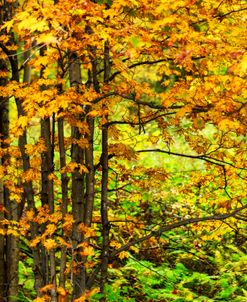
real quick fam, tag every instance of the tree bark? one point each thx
(89, 157)
(64, 206)
(47, 193)
(8, 244)
(104, 186)
(4, 133)
(78, 189)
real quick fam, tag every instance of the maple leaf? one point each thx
(123, 255)
(12, 232)
(35, 241)
(46, 288)
(87, 251)
(94, 113)
(49, 244)
(87, 231)
(82, 298)
(8, 25)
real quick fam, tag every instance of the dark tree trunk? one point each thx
(104, 186)
(78, 191)
(47, 191)
(4, 132)
(8, 263)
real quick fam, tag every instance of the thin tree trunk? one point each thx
(90, 178)
(47, 193)
(89, 200)
(4, 133)
(65, 181)
(27, 68)
(104, 186)
(64, 178)
(12, 242)
(77, 156)
(104, 210)
(2, 245)
(9, 249)
(64, 207)
(47, 196)
(39, 273)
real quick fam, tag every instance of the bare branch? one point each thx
(204, 157)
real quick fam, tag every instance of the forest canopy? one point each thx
(123, 150)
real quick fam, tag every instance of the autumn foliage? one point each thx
(120, 121)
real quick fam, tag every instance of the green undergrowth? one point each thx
(222, 277)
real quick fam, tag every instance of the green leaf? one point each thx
(135, 41)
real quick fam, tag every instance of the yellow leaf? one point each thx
(40, 299)
(8, 25)
(93, 291)
(135, 249)
(61, 291)
(87, 251)
(81, 299)
(69, 168)
(123, 255)
(35, 241)
(64, 242)
(50, 229)
(182, 112)
(49, 244)
(12, 232)
(87, 231)
(46, 288)
(68, 222)
(154, 139)
(30, 23)
(94, 113)
(47, 38)
(82, 169)
(2, 232)
(227, 124)
(245, 292)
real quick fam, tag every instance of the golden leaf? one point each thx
(35, 241)
(94, 113)
(87, 251)
(12, 232)
(40, 299)
(49, 244)
(81, 299)
(46, 288)
(2, 232)
(123, 255)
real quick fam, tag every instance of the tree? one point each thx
(98, 87)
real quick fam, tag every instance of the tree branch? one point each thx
(137, 64)
(137, 123)
(204, 157)
(174, 226)
(221, 17)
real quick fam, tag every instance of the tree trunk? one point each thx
(39, 273)
(104, 186)
(64, 206)
(89, 200)
(9, 250)
(47, 191)
(78, 189)
(4, 132)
